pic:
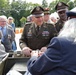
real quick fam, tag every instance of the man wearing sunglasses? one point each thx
(61, 9)
(36, 35)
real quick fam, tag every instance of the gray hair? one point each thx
(69, 29)
(3, 16)
(10, 18)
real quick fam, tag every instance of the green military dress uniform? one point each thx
(35, 41)
(60, 7)
(59, 25)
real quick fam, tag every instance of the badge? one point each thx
(9, 36)
(29, 33)
(37, 8)
(59, 4)
(45, 33)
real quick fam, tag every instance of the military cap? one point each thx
(60, 6)
(38, 11)
(46, 11)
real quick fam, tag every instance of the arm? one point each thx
(23, 40)
(23, 44)
(48, 61)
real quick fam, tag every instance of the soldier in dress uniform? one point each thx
(47, 15)
(37, 35)
(61, 9)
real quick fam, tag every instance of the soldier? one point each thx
(47, 15)
(36, 35)
(61, 9)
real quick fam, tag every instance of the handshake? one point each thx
(27, 52)
(36, 53)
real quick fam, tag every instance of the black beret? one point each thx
(61, 5)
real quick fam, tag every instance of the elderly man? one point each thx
(61, 9)
(8, 33)
(36, 35)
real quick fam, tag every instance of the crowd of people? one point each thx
(50, 46)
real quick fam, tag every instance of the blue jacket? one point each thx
(59, 59)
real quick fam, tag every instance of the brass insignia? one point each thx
(59, 4)
(37, 8)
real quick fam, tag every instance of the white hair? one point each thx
(10, 18)
(69, 29)
(4, 17)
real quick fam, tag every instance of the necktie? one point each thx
(37, 29)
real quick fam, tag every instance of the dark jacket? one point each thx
(8, 38)
(59, 59)
(35, 41)
(59, 25)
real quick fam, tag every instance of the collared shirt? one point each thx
(36, 26)
(4, 31)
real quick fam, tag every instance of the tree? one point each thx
(74, 3)
(71, 5)
(23, 21)
(4, 4)
(44, 4)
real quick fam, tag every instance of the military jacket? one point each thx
(37, 41)
(59, 25)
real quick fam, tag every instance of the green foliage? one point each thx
(23, 20)
(71, 5)
(44, 4)
(74, 3)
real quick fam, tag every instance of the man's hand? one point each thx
(26, 51)
(43, 49)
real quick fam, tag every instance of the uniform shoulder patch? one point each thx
(49, 23)
(28, 23)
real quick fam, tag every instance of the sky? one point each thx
(36, 1)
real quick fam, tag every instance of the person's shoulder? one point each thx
(9, 26)
(47, 23)
(59, 22)
(28, 23)
(60, 39)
